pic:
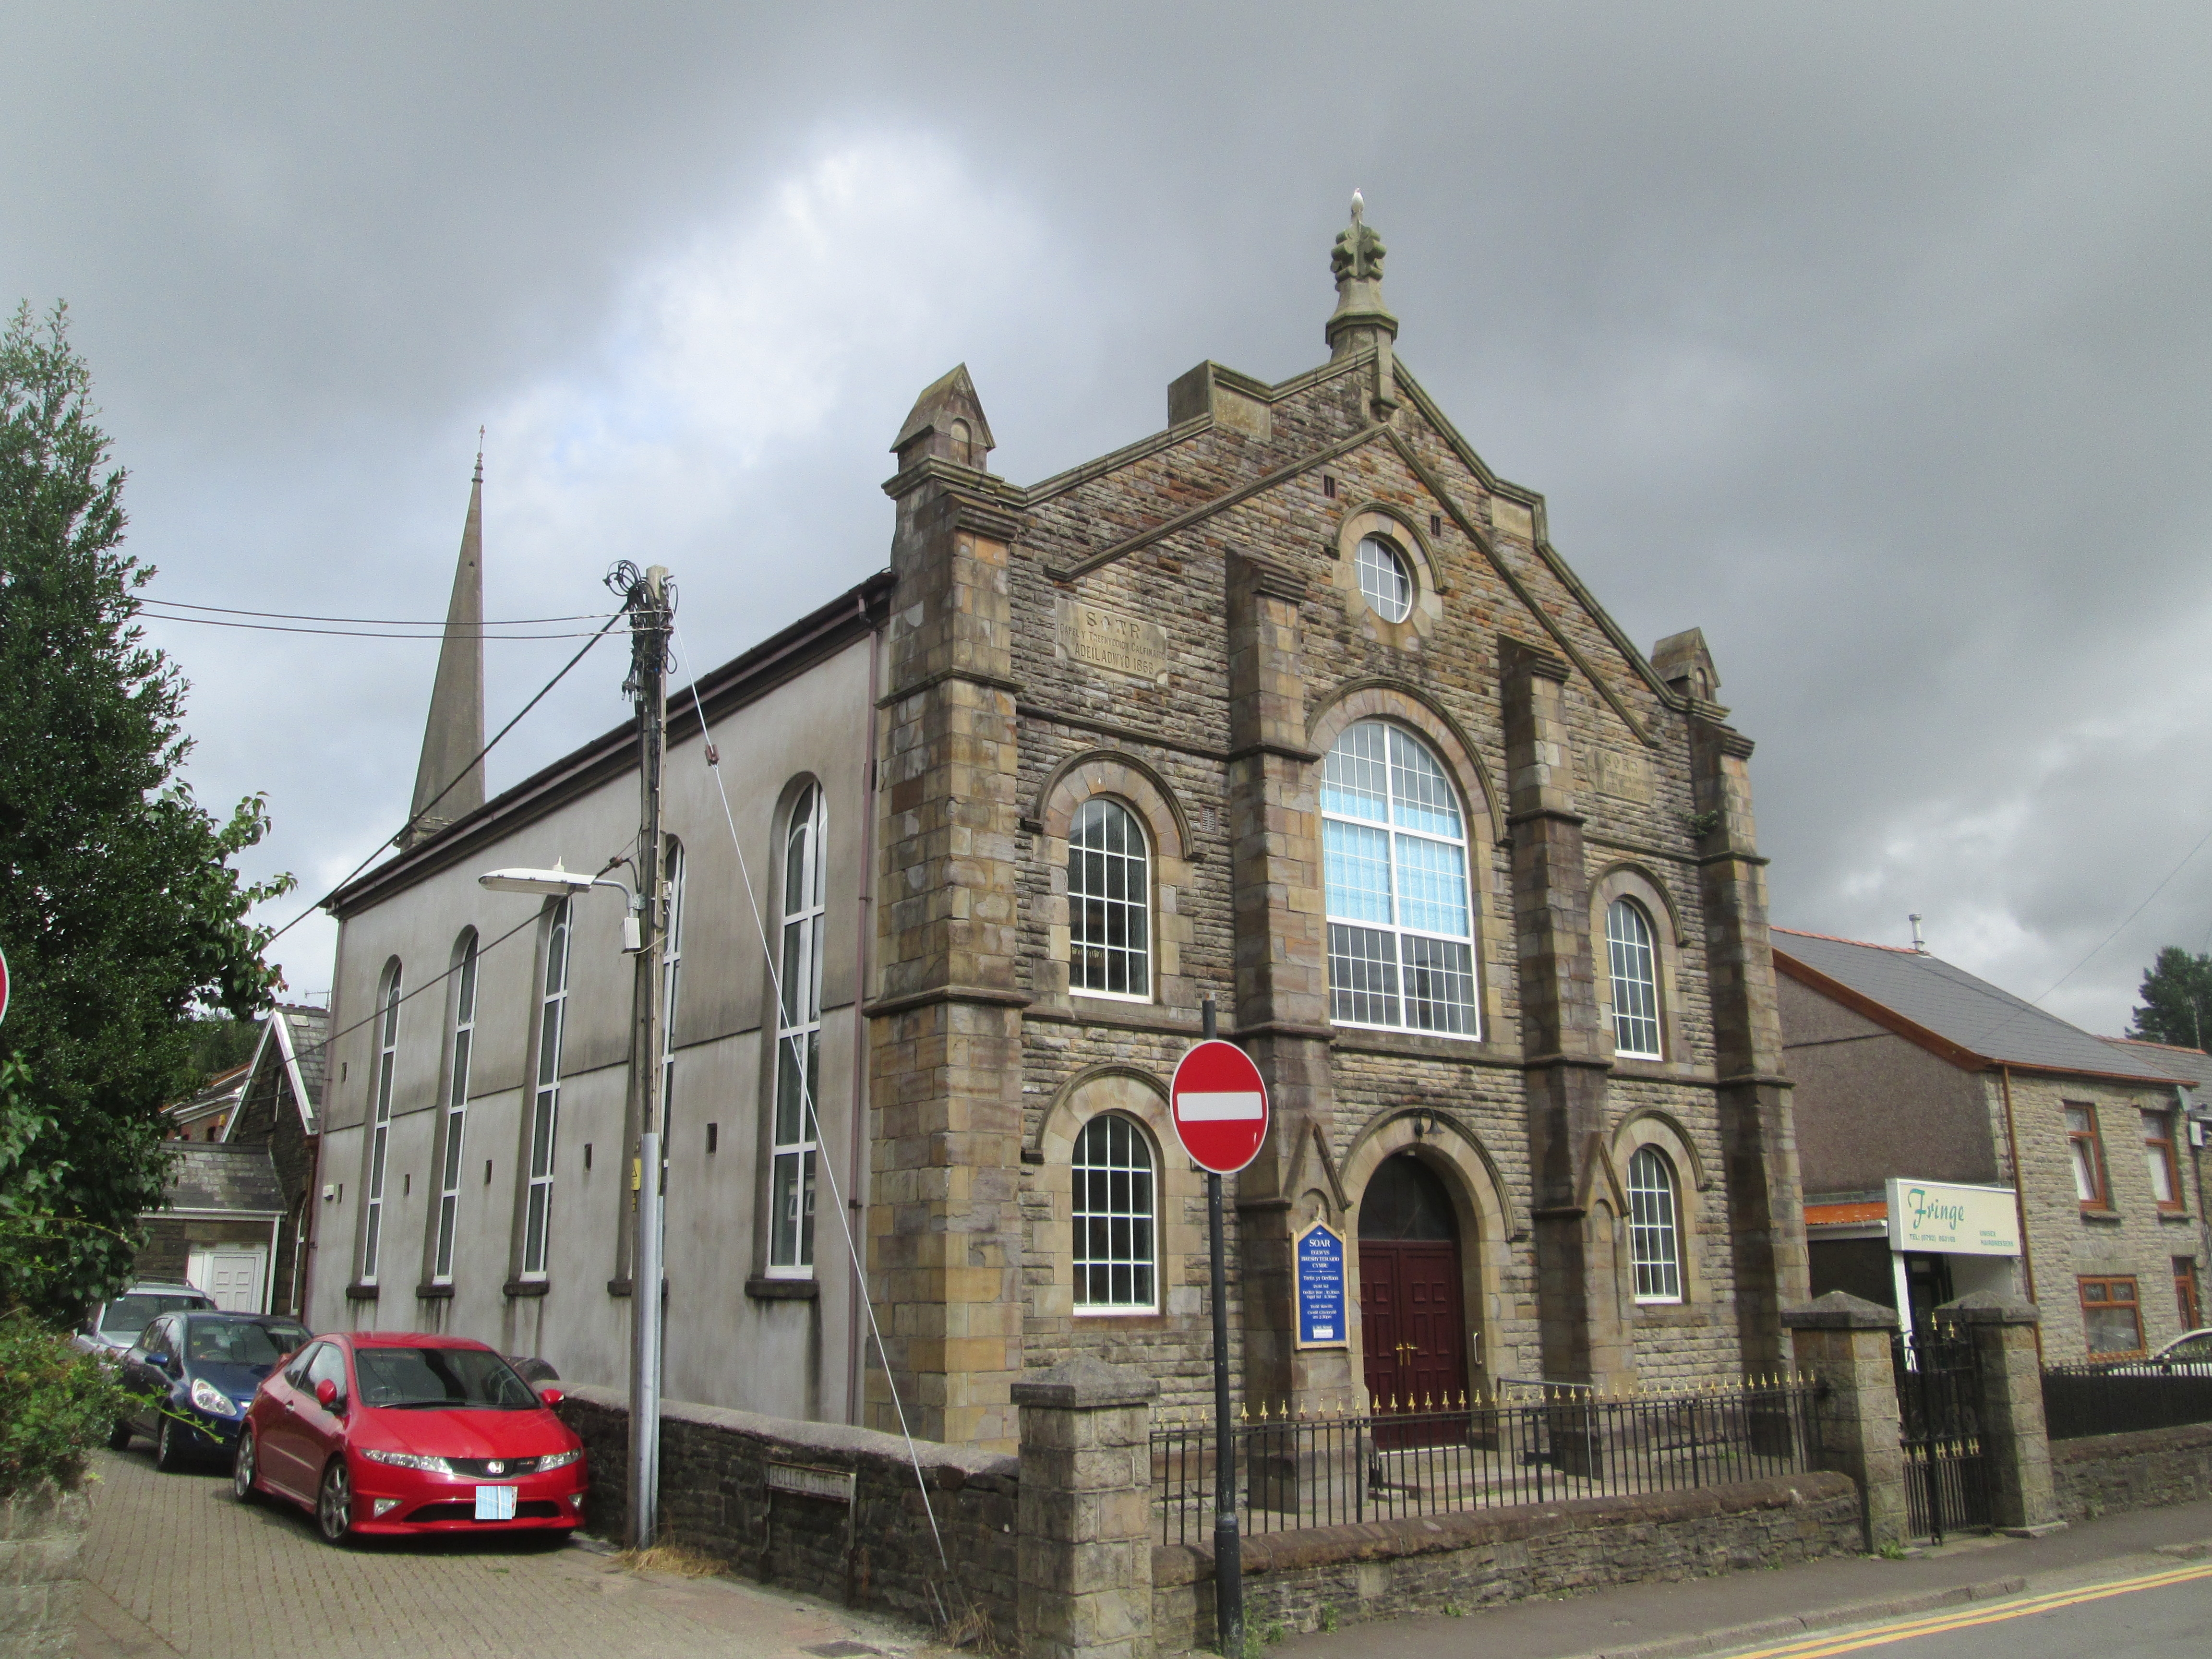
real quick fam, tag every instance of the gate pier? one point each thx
(1843, 1340)
(2015, 1448)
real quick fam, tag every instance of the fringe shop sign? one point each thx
(1931, 1215)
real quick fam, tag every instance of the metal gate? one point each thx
(1939, 1402)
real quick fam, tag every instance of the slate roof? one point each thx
(222, 1090)
(1970, 1016)
(309, 1031)
(2192, 1064)
(212, 1177)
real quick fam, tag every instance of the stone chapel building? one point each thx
(1290, 704)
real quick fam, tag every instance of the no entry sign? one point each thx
(1219, 1106)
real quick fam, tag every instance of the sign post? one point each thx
(1219, 1103)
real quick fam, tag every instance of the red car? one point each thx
(395, 1432)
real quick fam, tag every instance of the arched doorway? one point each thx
(1412, 1319)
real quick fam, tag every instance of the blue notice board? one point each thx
(1320, 1252)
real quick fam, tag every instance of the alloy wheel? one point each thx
(334, 1505)
(241, 1470)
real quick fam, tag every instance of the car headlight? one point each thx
(409, 1461)
(210, 1398)
(557, 1460)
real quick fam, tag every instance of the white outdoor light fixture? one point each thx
(558, 883)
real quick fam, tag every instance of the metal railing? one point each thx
(2080, 1400)
(1332, 1467)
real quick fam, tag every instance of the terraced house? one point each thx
(1291, 704)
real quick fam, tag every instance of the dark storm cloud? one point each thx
(1871, 341)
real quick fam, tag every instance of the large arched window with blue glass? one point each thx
(1394, 855)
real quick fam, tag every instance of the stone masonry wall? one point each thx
(1301, 1581)
(2147, 1469)
(877, 1551)
(41, 1537)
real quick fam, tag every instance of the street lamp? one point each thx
(558, 883)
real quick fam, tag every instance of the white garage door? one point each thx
(233, 1276)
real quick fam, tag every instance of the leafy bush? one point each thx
(56, 1405)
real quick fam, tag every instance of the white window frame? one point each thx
(1124, 1214)
(546, 1092)
(1385, 567)
(457, 1108)
(795, 1123)
(380, 1126)
(672, 963)
(1134, 908)
(1634, 966)
(1655, 1227)
(1394, 839)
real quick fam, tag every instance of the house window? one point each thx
(545, 1103)
(1108, 902)
(2186, 1298)
(1654, 1239)
(1401, 931)
(2088, 1153)
(1635, 981)
(388, 1054)
(1114, 1213)
(2158, 1154)
(457, 1105)
(2110, 1321)
(799, 1044)
(671, 962)
(1384, 582)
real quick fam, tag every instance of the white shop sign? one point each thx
(1933, 1215)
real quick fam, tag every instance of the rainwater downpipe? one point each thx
(855, 1344)
(2020, 1201)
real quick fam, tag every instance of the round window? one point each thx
(1384, 582)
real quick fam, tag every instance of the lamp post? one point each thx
(651, 599)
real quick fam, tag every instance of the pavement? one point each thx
(1773, 1609)
(175, 1565)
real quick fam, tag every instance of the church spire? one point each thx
(453, 736)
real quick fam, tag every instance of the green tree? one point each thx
(2176, 999)
(120, 914)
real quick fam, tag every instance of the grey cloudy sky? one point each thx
(1874, 340)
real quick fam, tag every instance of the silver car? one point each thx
(113, 1325)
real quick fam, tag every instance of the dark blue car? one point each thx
(194, 1374)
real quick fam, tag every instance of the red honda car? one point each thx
(395, 1432)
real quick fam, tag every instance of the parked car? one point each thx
(112, 1326)
(193, 1374)
(400, 1432)
(2190, 1354)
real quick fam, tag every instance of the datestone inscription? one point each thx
(1107, 639)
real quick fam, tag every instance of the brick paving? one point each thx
(174, 1566)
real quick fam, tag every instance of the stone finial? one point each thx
(1840, 1310)
(1684, 663)
(1361, 319)
(1086, 1383)
(946, 422)
(1358, 252)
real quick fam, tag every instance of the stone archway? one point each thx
(1412, 1308)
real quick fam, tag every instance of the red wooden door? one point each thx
(1414, 1328)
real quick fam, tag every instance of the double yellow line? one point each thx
(1819, 1647)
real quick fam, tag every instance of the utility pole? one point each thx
(650, 596)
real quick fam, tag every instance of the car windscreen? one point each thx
(241, 1341)
(127, 1316)
(455, 1378)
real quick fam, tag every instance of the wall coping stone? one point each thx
(1989, 1308)
(1086, 1383)
(1383, 1541)
(1840, 1310)
(2096, 1447)
(952, 1465)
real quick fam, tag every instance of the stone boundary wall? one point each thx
(2142, 1470)
(1381, 1569)
(41, 1536)
(875, 1551)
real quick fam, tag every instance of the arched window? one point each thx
(1108, 902)
(1654, 1237)
(672, 961)
(799, 1042)
(1635, 981)
(1115, 1213)
(1384, 582)
(545, 1105)
(457, 1106)
(1401, 931)
(388, 1054)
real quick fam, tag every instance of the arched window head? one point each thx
(798, 1041)
(456, 1103)
(1110, 898)
(964, 443)
(387, 1055)
(1385, 582)
(1115, 1214)
(1655, 1234)
(1635, 963)
(1393, 846)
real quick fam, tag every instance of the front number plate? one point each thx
(495, 1503)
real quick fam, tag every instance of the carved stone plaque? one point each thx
(1509, 518)
(1624, 777)
(1107, 639)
